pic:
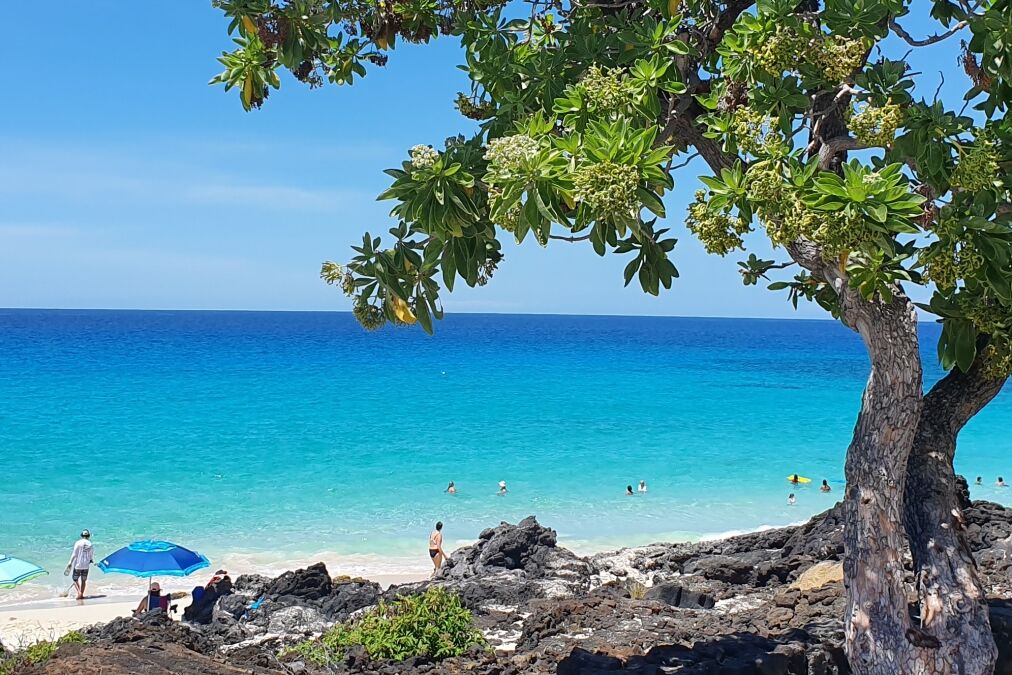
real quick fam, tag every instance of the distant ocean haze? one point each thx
(275, 436)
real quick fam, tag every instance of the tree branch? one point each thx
(958, 396)
(834, 146)
(930, 40)
(560, 237)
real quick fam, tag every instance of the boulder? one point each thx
(347, 597)
(819, 575)
(136, 659)
(678, 596)
(311, 583)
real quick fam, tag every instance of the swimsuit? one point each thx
(433, 552)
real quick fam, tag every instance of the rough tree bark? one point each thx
(881, 639)
(953, 605)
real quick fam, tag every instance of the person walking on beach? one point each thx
(502, 488)
(80, 562)
(451, 488)
(643, 486)
(825, 486)
(436, 547)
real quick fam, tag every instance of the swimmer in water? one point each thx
(436, 547)
(643, 486)
(502, 488)
(795, 479)
(980, 480)
(451, 488)
(825, 486)
(628, 490)
(1001, 482)
(790, 499)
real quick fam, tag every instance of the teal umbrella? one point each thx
(14, 571)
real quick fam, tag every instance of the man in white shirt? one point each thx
(80, 561)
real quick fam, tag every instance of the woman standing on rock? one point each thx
(436, 547)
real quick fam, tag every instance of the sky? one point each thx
(127, 182)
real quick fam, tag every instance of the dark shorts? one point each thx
(433, 552)
(81, 574)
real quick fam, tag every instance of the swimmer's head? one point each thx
(439, 526)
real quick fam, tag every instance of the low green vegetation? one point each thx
(35, 654)
(432, 624)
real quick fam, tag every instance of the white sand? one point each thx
(23, 625)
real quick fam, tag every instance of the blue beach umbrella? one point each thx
(14, 571)
(151, 558)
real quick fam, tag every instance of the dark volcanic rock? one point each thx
(311, 583)
(130, 659)
(677, 596)
(154, 628)
(511, 565)
(347, 597)
(1001, 626)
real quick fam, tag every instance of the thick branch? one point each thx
(958, 396)
(560, 237)
(930, 40)
(829, 150)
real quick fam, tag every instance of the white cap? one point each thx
(502, 483)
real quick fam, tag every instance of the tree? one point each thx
(814, 132)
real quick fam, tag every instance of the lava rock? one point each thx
(311, 583)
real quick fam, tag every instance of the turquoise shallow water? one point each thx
(281, 435)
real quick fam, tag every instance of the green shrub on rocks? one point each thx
(35, 654)
(432, 624)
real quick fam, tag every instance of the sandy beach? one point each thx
(22, 625)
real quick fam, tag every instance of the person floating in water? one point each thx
(451, 488)
(1001, 482)
(643, 486)
(628, 490)
(502, 488)
(790, 499)
(795, 479)
(825, 486)
(436, 547)
(980, 480)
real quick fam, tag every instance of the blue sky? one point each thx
(127, 182)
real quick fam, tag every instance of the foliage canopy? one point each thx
(588, 108)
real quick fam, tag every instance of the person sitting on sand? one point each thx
(436, 547)
(451, 488)
(151, 601)
(825, 486)
(1001, 482)
(502, 488)
(628, 490)
(790, 499)
(643, 486)
(80, 561)
(980, 480)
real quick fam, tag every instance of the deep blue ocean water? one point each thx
(282, 435)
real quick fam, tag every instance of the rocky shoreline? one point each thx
(767, 603)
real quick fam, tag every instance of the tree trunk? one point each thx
(953, 605)
(880, 639)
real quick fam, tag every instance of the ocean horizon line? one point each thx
(448, 313)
